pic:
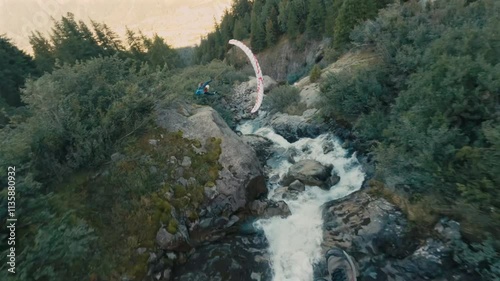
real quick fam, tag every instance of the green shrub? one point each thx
(482, 258)
(282, 97)
(315, 73)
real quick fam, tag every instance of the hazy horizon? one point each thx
(181, 22)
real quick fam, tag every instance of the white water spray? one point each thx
(295, 242)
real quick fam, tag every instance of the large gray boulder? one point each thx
(267, 208)
(293, 127)
(309, 172)
(384, 244)
(169, 241)
(241, 179)
(260, 144)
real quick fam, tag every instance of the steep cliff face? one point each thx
(285, 62)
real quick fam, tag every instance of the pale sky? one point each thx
(180, 22)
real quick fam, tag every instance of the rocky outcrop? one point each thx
(168, 241)
(293, 127)
(309, 172)
(244, 96)
(285, 61)
(267, 208)
(240, 179)
(261, 145)
(383, 244)
(242, 258)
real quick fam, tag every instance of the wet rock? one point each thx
(260, 144)
(333, 180)
(267, 208)
(367, 225)
(380, 238)
(309, 172)
(328, 147)
(297, 186)
(293, 127)
(232, 221)
(279, 208)
(290, 154)
(256, 188)
(232, 258)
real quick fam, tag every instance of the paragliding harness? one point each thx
(203, 88)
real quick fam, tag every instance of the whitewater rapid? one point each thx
(295, 241)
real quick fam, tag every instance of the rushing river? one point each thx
(295, 241)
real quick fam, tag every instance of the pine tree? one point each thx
(351, 13)
(292, 23)
(258, 33)
(270, 33)
(15, 67)
(315, 19)
(43, 52)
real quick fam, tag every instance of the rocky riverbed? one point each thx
(288, 192)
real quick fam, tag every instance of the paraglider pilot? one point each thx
(203, 88)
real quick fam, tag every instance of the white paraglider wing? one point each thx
(256, 68)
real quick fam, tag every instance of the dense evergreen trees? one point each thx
(72, 41)
(428, 113)
(265, 21)
(15, 67)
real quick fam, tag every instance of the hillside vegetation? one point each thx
(428, 114)
(89, 185)
(77, 119)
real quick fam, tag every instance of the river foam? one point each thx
(295, 241)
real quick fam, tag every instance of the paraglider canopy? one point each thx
(258, 72)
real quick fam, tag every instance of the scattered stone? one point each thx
(328, 147)
(153, 142)
(168, 241)
(297, 186)
(182, 181)
(152, 257)
(449, 230)
(309, 172)
(186, 161)
(232, 220)
(333, 180)
(267, 209)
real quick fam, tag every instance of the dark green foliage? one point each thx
(266, 21)
(351, 13)
(15, 67)
(258, 31)
(72, 41)
(315, 73)
(61, 251)
(429, 110)
(351, 93)
(316, 19)
(92, 106)
(280, 98)
(479, 257)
